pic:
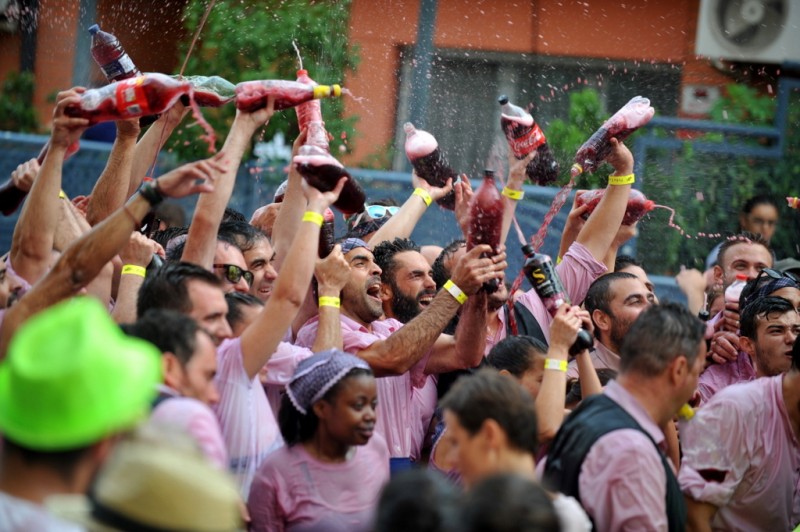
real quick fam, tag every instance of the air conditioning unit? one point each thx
(9, 16)
(752, 31)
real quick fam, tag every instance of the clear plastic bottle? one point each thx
(525, 136)
(110, 56)
(734, 290)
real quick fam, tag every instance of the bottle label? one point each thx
(131, 98)
(118, 68)
(524, 140)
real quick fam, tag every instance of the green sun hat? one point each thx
(72, 377)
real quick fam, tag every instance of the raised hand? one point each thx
(22, 177)
(565, 326)
(66, 129)
(319, 201)
(620, 158)
(463, 191)
(192, 178)
(333, 271)
(472, 270)
(436, 193)
(140, 250)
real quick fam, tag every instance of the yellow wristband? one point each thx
(515, 195)
(329, 301)
(62, 195)
(314, 217)
(132, 269)
(455, 291)
(552, 363)
(558, 260)
(422, 193)
(621, 179)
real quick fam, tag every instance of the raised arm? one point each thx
(135, 257)
(202, 239)
(151, 143)
(111, 189)
(512, 192)
(601, 228)
(261, 338)
(402, 224)
(291, 212)
(13, 191)
(465, 349)
(408, 345)
(82, 261)
(332, 274)
(34, 233)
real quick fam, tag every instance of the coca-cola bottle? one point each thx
(486, 220)
(322, 171)
(110, 56)
(525, 136)
(149, 94)
(633, 115)
(326, 238)
(429, 162)
(638, 204)
(254, 95)
(309, 116)
(541, 273)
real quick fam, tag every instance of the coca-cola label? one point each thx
(131, 98)
(524, 140)
(118, 68)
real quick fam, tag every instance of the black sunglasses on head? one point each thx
(233, 273)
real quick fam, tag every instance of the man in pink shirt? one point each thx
(741, 456)
(406, 355)
(609, 454)
(613, 301)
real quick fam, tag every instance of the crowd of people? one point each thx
(219, 375)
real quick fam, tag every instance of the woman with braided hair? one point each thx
(330, 474)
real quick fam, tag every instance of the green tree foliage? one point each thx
(16, 103)
(707, 190)
(245, 41)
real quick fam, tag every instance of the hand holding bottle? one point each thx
(620, 158)
(436, 193)
(564, 329)
(67, 130)
(472, 270)
(22, 177)
(463, 197)
(258, 117)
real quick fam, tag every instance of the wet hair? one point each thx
(598, 297)
(658, 336)
(168, 288)
(386, 251)
(761, 309)
(744, 237)
(516, 354)
(163, 237)
(509, 502)
(236, 303)
(574, 394)
(243, 235)
(386, 202)
(171, 213)
(232, 215)
(755, 201)
(299, 428)
(168, 330)
(63, 463)
(420, 500)
(623, 261)
(440, 272)
(488, 395)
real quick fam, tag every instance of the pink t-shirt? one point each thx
(622, 483)
(196, 419)
(405, 402)
(578, 270)
(744, 433)
(602, 358)
(247, 421)
(279, 371)
(294, 491)
(719, 376)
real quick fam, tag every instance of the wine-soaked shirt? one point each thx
(741, 455)
(578, 270)
(719, 376)
(295, 491)
(248, 424)
(405, 402)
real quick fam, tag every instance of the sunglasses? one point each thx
(774, 274)
(376, 212)
(234, 273)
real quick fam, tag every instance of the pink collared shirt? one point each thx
(745, 435)
(247, 421)
(577, 270)
(622, 481)
(405, 402)
(602, 358)
(719, 376)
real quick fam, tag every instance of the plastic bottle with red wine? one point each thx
(638, 204)
(633, 115)
(541, 273)
(429, 162)
(254, 95)
(524, 136)
(110, 56)
(486, 220)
